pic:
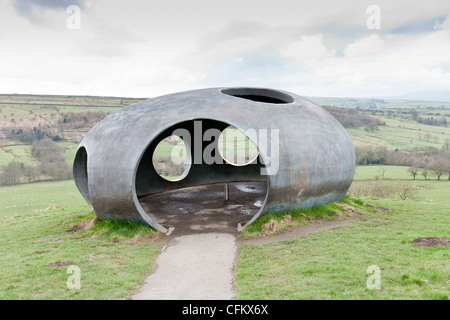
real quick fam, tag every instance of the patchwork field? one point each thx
(28, 112)
(402, 135)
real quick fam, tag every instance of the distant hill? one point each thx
(388, 102)
(427, 95)
(65, 119)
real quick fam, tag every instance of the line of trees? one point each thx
(26, 135)
(52, 165)
(76, 120)
(432, 121)
(439, 166)
(55, 131)
(351, 118)
(442, 121)
(369, 155)
(435, 161)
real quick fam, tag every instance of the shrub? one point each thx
(377, 189)
(406, 190)
(12, 173)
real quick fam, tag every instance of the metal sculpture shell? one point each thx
(314, 164)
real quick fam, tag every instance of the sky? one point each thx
(138, 48)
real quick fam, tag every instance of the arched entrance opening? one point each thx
(201, 175)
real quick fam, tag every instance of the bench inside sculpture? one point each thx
(169, 161)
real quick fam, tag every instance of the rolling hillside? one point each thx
(56, 117)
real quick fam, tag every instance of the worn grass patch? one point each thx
(273, 223)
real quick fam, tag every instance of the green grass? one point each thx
(236, 147)
(297, 217)
(6, 157)
(37, 228)
(24, 199)
(390, 172)
(63, 100)
(407, 136)
(70, 150)
(21, 153)
(166, 146)
(332, 263)
(402, 133)
(113, 257)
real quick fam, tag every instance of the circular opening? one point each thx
(80, 173)
(236, 148)
(171, 158)
(259, 95)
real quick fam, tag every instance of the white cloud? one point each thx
(308, 50)
(374, 64)
(370, 46)
(139, 48)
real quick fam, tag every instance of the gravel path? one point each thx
(198, 266)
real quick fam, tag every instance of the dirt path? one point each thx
(297, 232)
(200, 266)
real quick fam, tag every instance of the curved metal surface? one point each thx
(316, 159)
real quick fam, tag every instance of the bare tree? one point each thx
(31, 173)
(413, 171)
(406, 190)
(372, 127)
(439, 167)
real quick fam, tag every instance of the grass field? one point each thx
(402, 135)
(329, 264)
(40, 238)
(333, 263)
(70, 150)
(24, 199)
(20, 153)
(37, 251)
(389, 172)
(47, 226)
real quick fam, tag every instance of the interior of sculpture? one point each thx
(201, 174)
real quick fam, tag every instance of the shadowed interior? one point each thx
(197, 202)
(80, 174)
(259, 95)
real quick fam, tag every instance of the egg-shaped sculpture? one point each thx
(305, 156)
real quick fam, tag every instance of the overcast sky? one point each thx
(138, 48)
